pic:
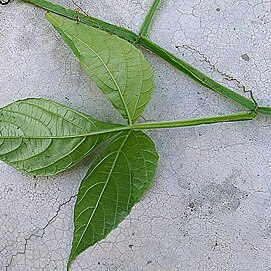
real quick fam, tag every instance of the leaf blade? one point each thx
(115, 182)
(116, 66)
(41, 137)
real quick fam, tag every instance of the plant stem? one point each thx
(264, 110)
(196, 74)
(243, 116)
(146, 25)
(132, 37)
(94, 22)
(194, 122)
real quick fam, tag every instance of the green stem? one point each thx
(264, 110)
(152, 125)
(132, 37)
(94, 22)
(146, 25)
(194, 122)
(196, 75)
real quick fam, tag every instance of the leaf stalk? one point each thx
(243, 116)
(146, 25)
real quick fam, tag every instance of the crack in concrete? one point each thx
(167, 230)
(216, 69)
(36, 234)
(79, 8)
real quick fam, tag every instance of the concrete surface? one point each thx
(210, 206)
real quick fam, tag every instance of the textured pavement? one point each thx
(210, 206)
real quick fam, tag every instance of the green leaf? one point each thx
(116, 66)
(41, 137)
(114, 183)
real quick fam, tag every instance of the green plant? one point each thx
(42, 137)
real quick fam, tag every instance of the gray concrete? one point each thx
(210, 206)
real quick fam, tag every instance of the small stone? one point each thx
(245, 57)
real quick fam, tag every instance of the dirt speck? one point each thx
(245, 57)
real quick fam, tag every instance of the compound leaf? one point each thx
(41, 137)
(114, 183)
(116, 66)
